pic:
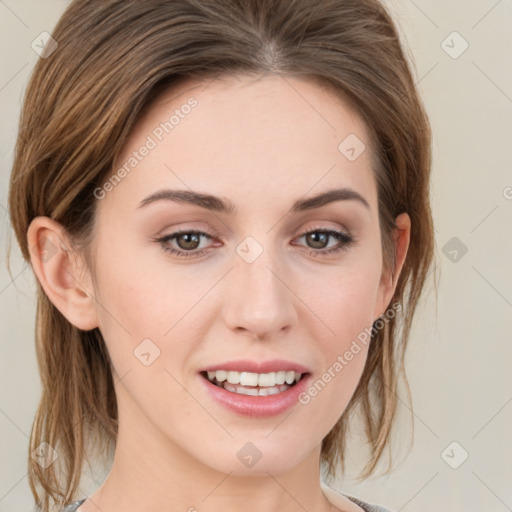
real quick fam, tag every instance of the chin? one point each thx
(256, 457)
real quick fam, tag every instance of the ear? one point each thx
(389, 278)
(62, 272)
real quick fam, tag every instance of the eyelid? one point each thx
(344, 238)
(324, 227)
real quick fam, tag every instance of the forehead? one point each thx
(270, 137)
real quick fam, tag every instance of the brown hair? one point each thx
(83, 100)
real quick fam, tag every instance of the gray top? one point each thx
(367, 507)
(73, 506)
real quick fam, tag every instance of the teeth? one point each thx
(220, 375)
(233, 377)
(267, 380)
(280, 377)
(248, 379)
(241, 390)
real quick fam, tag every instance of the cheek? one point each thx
(343, 338)
(344, 299)
(141, 294)
(140, 301)
(138, 313)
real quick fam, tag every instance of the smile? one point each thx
(253, 384)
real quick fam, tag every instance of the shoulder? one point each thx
(73, 506)
(339, 499)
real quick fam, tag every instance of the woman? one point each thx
(226, 205)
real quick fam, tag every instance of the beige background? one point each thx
(459, 360)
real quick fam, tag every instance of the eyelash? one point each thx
(346, 242)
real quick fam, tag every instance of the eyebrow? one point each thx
(217, 204)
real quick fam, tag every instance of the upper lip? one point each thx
(250, 365)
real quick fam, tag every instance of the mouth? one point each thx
(254, 384)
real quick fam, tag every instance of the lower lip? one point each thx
(258, 406)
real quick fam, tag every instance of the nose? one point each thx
(259, 300)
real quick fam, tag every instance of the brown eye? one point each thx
(184, 243)
(188, 241)
(317, 239)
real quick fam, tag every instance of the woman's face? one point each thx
(265, 272)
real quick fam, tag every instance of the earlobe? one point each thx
(401, 240)
(57, 268)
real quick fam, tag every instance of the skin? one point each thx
(261, 143)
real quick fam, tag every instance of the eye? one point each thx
(318, 240)
(188, 240)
